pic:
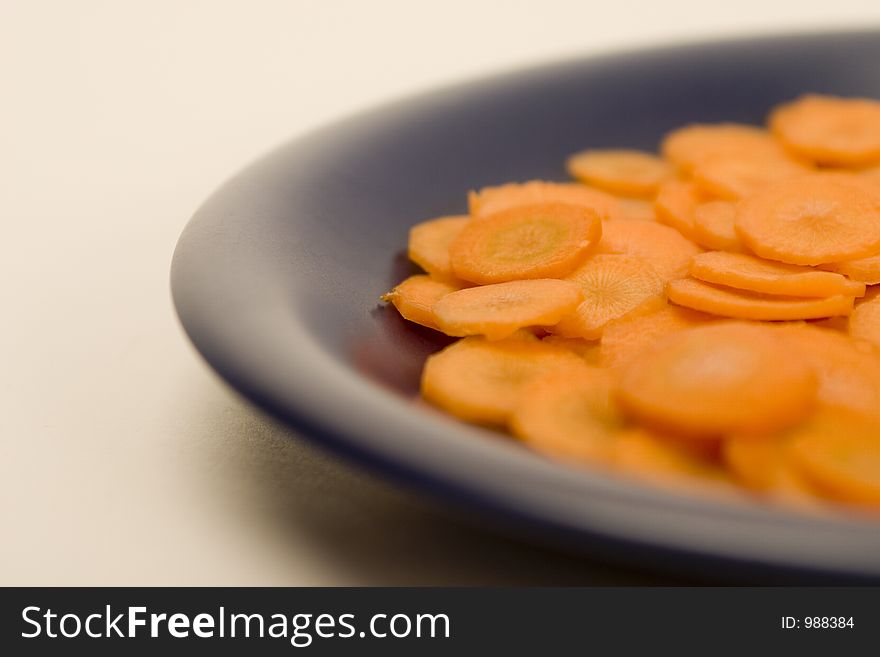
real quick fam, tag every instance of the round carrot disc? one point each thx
(533, 241)
(490, 200)
(612, 286)
(829, 130)
(748, 272)
(637, 209)
(840, 454)
(498, 310)
(812, 220)
(620, 171)
(739, 304)
(569, 414)
(864, 323)
(692, 145)
(718, 378)
(665, 248)
(763, 464)
(733, 178)
(676, 204)
(714, 226)
(415, 297)
(864, 270)
(480, 381)
(429, 244)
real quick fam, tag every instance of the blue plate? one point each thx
(276, 279)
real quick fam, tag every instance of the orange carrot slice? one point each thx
(480, 381)
(692, 145)
(637, 209)
(848, 370)
(613, 286)
(415, 297)
(840, 454)
(676, 204)
(620, 171)
(734, 178)
(532, 241)
(624, 339)
(864, 323)
(714, 226)
(429, 244)
(718, 378)
(829, 130)
(662, 246)
(747, 272)
(498, 310)
(864, 270)
(491, 200)
(764, 465)
(569, 414)
(730, 302)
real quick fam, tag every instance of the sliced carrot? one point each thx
(764, 465)
(734, 178)
(490, 200)
(533, 241)
(624, 339)
(676, 204)
(688, 147)
(415, 297)
(569, 414)
(840, 454)
(864, 323)
(480, 381)
(586, 349)
(662, 246)
(714, 226)
(714, 379)
(429, 244)
(498, 310)
(830, 130)
(739, 304)
(613, 286)
(864, 270)
(664, 461)
(748, 272)
(811, 220)
(637, 209)
(848, 370)
(620, 171)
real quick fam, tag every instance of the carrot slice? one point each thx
(586, 349)
(811, 220)
(692, 145)
(498, 310)
(730, 302)
(532, 241)
(620, 171)
(490, 200)
(718, 378)
(480, 381)
(830, 130)
(569, 414)
(734, 178)
(747, 272)
(676, 204)
(613, 286)
(840, 454)
(429, 244)
(764, 465)
(415, 297)
(670, 462)
(624, 339)
(637, 209)
(662, 246)
(864, 270)
(848, 370)
(864, 323)
(714, 226)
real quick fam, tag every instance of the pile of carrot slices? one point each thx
(708, 316)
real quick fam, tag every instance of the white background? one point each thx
(123, 460)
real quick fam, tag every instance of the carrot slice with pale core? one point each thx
(620, 171)
(665, 248)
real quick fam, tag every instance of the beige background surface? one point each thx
(123, 460)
